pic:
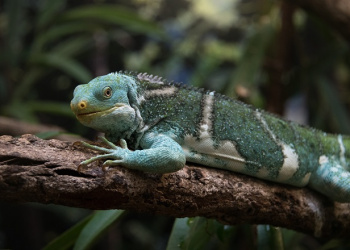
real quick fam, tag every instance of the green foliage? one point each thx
(336, 244)
(98, 224)
(68, 238)
(111, 14)
(85, 233)
(249, 70)
(200, 233)
(269, 237)
(178, 234)
(233, 47)
(56, 41)
(333, 106)
(48, 134)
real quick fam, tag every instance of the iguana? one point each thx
(166, 124)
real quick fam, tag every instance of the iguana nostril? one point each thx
(82, 104)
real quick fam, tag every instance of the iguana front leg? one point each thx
(160, 154)
(114, 152)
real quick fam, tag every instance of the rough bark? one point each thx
(35, 170)
(334, 12)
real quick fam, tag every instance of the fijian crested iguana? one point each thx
(166, 124)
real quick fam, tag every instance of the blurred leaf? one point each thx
(291, 238)
(26, 110)
(269, 237)
(201, 232)
(178, 234)
(3, 90)
(58, 32)
(225, 233)
(67, 239)
(73, 46)
(206, 67)
(29, 78)
(66, 64)
(114, 14)
(332, 104)
(48, 134)
(336, 244)
(20, 111)
(277, 237)
(98, 224)
(49, 11)
(50, 107)
(250, 64)
(263, 237)
(16, 29)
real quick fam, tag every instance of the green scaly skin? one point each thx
(165, 124)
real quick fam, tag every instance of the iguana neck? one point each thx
(115, 134)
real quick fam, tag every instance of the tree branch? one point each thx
(35, 170)
(335, 12)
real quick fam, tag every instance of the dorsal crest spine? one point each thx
(150, 78)
(163, 82)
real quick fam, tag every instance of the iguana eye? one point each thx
(107, 92)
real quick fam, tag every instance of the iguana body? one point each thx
(166, 124)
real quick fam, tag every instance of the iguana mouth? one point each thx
(102, 112)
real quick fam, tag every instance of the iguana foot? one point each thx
(113, 152)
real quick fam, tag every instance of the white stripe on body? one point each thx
(290, 163)
(342, 150)
(166, 91)
(226, 150)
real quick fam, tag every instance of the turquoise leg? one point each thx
(159, 154)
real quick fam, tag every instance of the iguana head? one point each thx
(106, 103)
